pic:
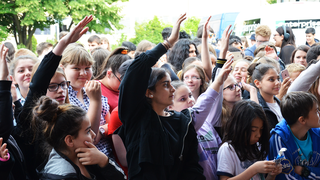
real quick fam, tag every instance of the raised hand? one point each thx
(270, 52)
(176, 28)
(284, 87)
(73, 36)
(91, 155)
(3, 63)
(225, 42)
(78, 31)
(224, 72)
(206, 28)
(3, 150)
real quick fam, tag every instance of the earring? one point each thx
(151, 95)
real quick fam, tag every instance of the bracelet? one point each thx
(165, 45)
(4, 160)
(170, 45)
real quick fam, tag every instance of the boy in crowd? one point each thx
(295, 70)
(43, 49)
(298, 132)
(93, 42)
(310, 37)
(262, 35)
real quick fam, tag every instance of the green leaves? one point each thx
(150, 31)
(22, 17)
(191, 26)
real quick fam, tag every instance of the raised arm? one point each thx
(210, 98)
(205, 56)
(46, 70)
(6, 117)
(306, 78)
(135, 82)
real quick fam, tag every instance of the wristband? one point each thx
(4, 160)
(170, 45)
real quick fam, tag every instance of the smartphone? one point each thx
(237, 55)
(284, 74)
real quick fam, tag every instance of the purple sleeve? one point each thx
(203, 107)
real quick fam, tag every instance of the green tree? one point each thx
(271, 1)
(23, 17)
(191, 26)
(119, 41)
(150, 31)
(3, 34)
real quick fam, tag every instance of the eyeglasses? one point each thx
(116, 76)
(232, 87)
(54, 87)
(258, 41)
(194, 78)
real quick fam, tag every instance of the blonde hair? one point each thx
(239, 60)
(293, 67)
(15, 61)
(263, 31)
(76, 54)
(22, 52)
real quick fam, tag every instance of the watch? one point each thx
(305, 172)
(102, 131)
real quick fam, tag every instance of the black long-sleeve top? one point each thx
(32, 148)
(157, 147)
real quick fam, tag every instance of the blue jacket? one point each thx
(282, 137)
(249, 51)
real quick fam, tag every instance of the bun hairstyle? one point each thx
(57, 121)
(258, 70)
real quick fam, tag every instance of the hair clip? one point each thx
(124, 51)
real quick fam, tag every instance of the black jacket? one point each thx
(148, 138)
(32, 148)
(60, 166)
(15, 167)
(271, 117)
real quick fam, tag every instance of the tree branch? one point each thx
(70, 25)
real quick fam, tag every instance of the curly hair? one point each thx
(180, 52)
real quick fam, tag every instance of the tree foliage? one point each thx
(150, 30)
(3, 33)
(272, 1)
(23, 17)
(191, 26)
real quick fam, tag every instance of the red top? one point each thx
(112, 96)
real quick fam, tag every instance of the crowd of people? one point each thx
(182, 109)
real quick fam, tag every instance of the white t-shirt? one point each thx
(230, 165)
(275, 108)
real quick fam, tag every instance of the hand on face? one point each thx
(91, 155)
